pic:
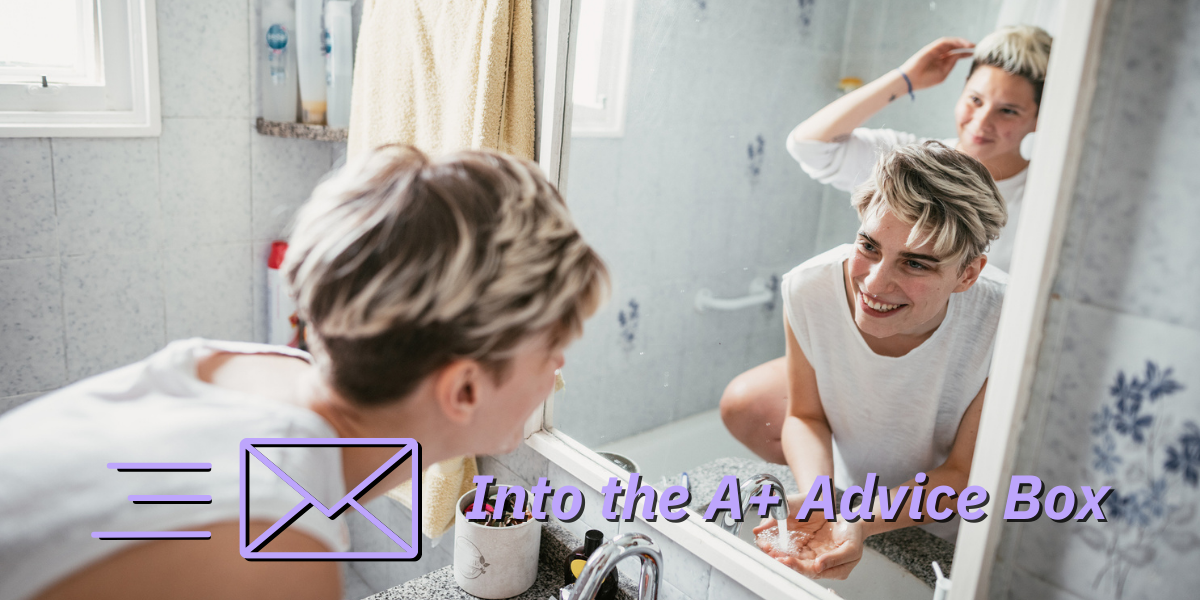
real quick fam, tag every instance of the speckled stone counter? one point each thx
(557, 543)
(318, 133)
(912, 547)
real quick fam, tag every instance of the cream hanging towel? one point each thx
(441, 487)
(444, 75)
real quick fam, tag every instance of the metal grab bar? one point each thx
(762, 291)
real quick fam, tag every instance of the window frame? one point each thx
(1051, 184)
(123, 101)
(608, 119)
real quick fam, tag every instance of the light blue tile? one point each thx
(204, 58)
(27, 197)
(722, 587)
(591, 518)
(681, 569)
(32, 358)
(113, 307)
(526, 463)
(107, 194)
(207, 292)
(204, 180)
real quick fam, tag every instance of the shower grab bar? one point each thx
(762, 291)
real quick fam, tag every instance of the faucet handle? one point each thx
(605, 558)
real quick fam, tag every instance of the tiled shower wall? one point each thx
(109, 248)
(1117, 394)
(700, 191)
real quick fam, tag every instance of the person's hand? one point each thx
(830, 552)
(816, 519)
(933, 63)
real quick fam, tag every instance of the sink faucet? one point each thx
(605, 559)
(749, 489)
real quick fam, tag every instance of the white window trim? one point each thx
(126, 106)
(608, 118)
(1059, 148)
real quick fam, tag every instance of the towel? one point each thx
(441, 487)
(444, 75)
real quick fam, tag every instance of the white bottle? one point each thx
(277, 70)
(310, 54)
(339, 63)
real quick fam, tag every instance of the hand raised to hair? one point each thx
(932, 64)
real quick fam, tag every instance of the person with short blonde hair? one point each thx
(889, 341)
(440, 295)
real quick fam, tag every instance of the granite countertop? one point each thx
(557, 543)
(912, 547)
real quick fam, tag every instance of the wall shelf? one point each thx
(318, 133)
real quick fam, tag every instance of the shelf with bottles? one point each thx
(320, 133)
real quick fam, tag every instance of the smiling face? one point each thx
(897, 290)
(995, 112)
(504, 405)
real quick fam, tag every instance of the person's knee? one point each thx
(737, 400)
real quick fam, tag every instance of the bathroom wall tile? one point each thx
(206, 292)
(722, 587)
(670, 592)
(503, 475)
(683, 570)
(1025, 585)
(27, 198)
(526, 462)
(11, 402)
(354, 587)
(107, 194)
(593, 503)
(204, 53)
(204, 180)
(113, 306)
(284, 175)
(32, 358)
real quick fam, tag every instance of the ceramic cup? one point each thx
(494, 562)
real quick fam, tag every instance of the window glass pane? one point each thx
(50, 37)
(586, 88)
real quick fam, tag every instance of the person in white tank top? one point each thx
(889, 341)
(409, 340)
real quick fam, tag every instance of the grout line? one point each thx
(62, 287)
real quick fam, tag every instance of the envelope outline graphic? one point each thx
(407, 447)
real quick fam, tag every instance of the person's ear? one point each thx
(970, 274)
(456, 387)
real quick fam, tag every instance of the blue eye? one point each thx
(916, 265)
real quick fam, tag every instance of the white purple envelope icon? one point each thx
(406, 448)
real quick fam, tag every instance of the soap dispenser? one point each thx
(577, 559)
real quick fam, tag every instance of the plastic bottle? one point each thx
(310, 55)
(575, 562)
(277, 71)
(339, 62)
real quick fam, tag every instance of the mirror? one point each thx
(679, 173)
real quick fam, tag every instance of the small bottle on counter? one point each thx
(577, 559)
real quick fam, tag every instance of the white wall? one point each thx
(1128, 272)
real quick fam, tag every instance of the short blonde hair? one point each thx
(947, 197)
(1022, 50)
(401, 264)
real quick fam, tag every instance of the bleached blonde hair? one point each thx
(947, 197)
(401, 264)
(1022, 50)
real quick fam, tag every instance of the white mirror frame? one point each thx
(1048, 193)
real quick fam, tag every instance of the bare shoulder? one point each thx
(203, 569)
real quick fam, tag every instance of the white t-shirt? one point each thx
(57, 488)
(892, 416)
(846, 164)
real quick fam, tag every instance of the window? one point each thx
(601, 68)
(78, 68)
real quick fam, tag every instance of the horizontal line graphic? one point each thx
(160, 466)
(152, 535)
(171, 498)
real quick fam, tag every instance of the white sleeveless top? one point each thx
(55, 487)
(892, 416)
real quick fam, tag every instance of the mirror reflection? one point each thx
(809, 210)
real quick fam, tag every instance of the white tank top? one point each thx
(893, 416)
(56, 489)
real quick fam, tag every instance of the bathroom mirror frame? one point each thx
(1059, 146)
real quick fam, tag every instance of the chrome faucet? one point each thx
(604, 560)
(749, 489)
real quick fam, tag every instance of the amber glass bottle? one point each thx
(577, 559)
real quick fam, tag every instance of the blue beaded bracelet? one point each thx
(909, 82)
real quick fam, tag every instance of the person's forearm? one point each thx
(946, 474)
(808, 448)
(841, 116)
